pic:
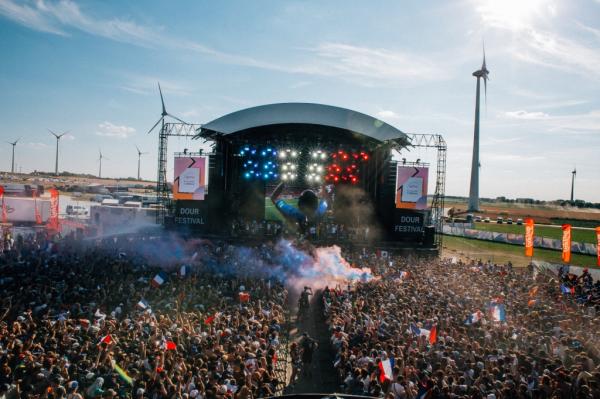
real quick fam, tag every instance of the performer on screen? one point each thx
(310, 208)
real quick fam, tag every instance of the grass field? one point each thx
(579, 235)
(271, 213)
(501, 253)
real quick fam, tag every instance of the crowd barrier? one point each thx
(518, 239)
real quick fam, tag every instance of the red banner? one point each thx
(598, 244)
(566, 243)
(529, 237)
(38, 216)
(53, 221)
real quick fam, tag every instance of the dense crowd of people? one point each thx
(94, 320)
(430, 329)
(167, 318)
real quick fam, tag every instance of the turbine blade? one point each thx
(138, 149)
(156, 124)
(164, 110)
(174, 117)
(52, 133)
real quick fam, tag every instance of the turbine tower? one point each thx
(474, 188)
(140, 153)
(14, 144)
(573, 174)
(58, 136)
(100, 158)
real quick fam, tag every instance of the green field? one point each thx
(577, 234)
(271, 213)
(501, 253)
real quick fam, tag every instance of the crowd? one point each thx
(445, 329)
(94, 320)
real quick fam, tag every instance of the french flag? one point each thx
(567, 290)
(143, 305)
(184, 270)
(474, 318)
(404, 275)
(159, 279)
(385, 369)
(431, 335)
(498, 312)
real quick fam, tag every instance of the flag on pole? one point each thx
(143, 305)
(184, 270)
(107, 339)
(211, 318)
(122, 373)
(474, 318)
(566, 243)
(498, 312)
(385, 369)
(529, 234)
(169, 345)
(431, 335)
(567, 290)
(159, 279)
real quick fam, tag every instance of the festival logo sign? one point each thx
(566, 243)
(190, 178)
(529, 237)
(411, 187)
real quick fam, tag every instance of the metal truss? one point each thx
(162, 186)
(437, 204)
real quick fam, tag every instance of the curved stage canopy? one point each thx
(303, 114)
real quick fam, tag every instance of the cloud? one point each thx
(525, 115)
(108, 129)
(358, 64)
(32, 17)
(387, 114)
(373, 64)
(580, 123)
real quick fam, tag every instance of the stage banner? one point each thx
(53, 223)
(566, 243)
(190, 178)
(529, 234)
(411, 187)
(598, 244)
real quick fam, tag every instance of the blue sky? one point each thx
(91, 68)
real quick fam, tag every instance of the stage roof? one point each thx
(303, 113)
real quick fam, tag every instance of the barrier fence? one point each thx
(517, 239)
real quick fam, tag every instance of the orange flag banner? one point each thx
(4, 213)
(566, 243)
(598, 244)
(529, 237)
(53, 223)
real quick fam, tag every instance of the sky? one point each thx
(91, 68)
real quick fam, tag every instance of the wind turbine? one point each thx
(14, 143)
(100, 158)
(58, 136)
(481, 73)
(573, 174)
(140, 153)
(164, 113)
